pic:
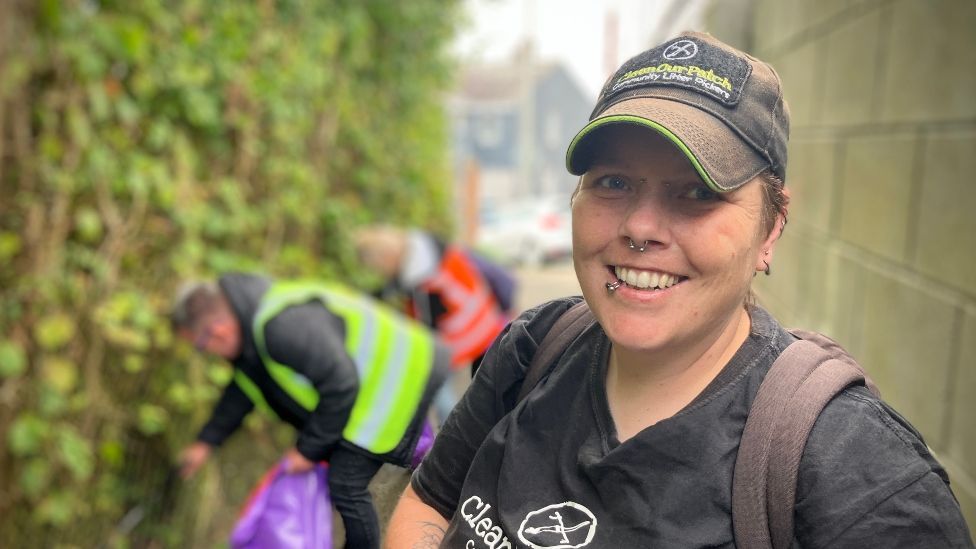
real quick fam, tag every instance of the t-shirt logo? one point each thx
(561, 526)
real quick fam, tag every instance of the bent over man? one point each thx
(353, 377)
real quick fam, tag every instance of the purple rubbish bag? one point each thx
(286, 512)
(423, 445)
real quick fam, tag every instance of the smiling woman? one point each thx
(639, 190)
(631, 438)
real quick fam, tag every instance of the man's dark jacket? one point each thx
(309, 339)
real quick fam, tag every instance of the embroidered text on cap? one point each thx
(686, 63)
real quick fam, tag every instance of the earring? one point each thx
(767, 270)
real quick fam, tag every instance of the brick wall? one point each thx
(880, 251)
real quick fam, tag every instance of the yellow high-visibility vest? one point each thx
(393, 355)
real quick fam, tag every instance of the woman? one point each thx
(631, 440)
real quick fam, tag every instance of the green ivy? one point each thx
(145, 142)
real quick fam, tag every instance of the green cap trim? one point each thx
(630, 119)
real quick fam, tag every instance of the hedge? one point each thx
(144, 142)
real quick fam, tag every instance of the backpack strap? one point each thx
(567, 327)
(806, 376)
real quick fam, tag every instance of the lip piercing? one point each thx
(611, 286)
(633, 246)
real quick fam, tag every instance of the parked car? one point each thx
(528, 232)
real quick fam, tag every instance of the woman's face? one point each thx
(702, 248)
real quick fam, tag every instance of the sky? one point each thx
(569, 31)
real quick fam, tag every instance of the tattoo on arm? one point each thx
(432, 538)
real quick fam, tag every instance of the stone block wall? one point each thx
(880, 250)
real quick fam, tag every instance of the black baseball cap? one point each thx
(723, 108)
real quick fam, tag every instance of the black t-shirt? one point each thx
(552, 473)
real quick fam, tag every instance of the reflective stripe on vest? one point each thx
(251, 391)
(473, 318)
(393, 356)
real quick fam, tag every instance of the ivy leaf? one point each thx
(88, 225)
(26, 435)
(133, 363)
(54, 331)
(112, 453)
(60, 374)
(219, 374)
(13, 360)
(180, 395)
(10, 245)
(75, 453)
(132, 38)
(58, 508)
(50, 402)
(152, 419)
(35, 477)
(127, 338)
(79, 126)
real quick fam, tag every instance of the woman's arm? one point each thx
(415, 525)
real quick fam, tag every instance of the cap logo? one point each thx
(690, 64)
(680, 50)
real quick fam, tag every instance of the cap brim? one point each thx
(722, 159)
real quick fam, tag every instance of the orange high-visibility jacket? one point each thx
(472, 317)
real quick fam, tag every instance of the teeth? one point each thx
(645, 279)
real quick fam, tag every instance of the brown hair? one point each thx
(775, 201)
(196, 302)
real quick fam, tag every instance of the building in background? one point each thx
(511, 124)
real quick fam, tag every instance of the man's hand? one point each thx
(192, 457)
(295, 462)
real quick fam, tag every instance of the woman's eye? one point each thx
(700, 192)
(611, 182)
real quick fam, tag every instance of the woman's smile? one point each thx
(645, 279)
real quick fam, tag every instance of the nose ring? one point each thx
(640, 248)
